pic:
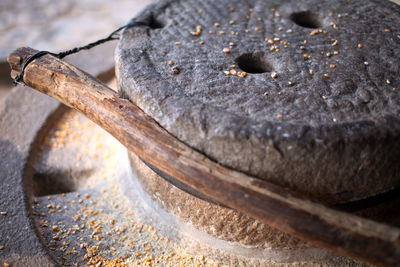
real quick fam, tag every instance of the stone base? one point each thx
(236, 237)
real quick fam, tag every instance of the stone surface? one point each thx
(332, 133)
(17, 232)
(57, 26)
(60, 25)
(25, 115)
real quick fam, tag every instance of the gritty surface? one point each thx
(289, 92)
(60, 25)
(57, 26)
(88, 220)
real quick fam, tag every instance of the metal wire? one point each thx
(113, 36)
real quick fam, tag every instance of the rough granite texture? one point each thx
(260, 244)
(332, 134)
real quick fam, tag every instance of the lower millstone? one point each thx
(229, 226)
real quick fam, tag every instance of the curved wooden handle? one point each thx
(341, 232)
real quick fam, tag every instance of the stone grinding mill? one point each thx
(252, 108)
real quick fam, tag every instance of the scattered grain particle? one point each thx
(324, 98)
(232, 72)
(289, 31)
(339, 16)
(232, 9)
(280, 116)
(332, 66)
(274, 75)
(201, 42)
(251, 10)
(266, 93)
(226, 50)
(216, 24)
(359, 45)
(87, 195)
(201, 11)
(330, 14)
(1, 247)
(221, 32)
(170, 63)
(311, 72)
(336, 52)
(366, 63)
(326, 75)
(4, 213)
(55, 228)
(175, 70)
(256, 29)
(242, 74)
(388, 81)
(5, 264)
(231, 22)
(387, 30)
(178, 43)
(335, 42)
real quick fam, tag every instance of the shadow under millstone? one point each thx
(58, 182)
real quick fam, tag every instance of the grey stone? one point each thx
(22, 246)
(60, 25)
(24, 115)
(334, 138)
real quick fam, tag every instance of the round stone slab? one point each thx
(304, 94)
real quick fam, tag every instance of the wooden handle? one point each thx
(341, 232)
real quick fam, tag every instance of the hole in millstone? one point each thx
(307, 19)
(154, 23)
(253, 63)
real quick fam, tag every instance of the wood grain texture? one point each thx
(286, 211)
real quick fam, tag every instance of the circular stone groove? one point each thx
(326, 123)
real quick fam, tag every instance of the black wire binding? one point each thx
(113, 36)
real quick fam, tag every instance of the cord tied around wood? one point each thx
(112, 36)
